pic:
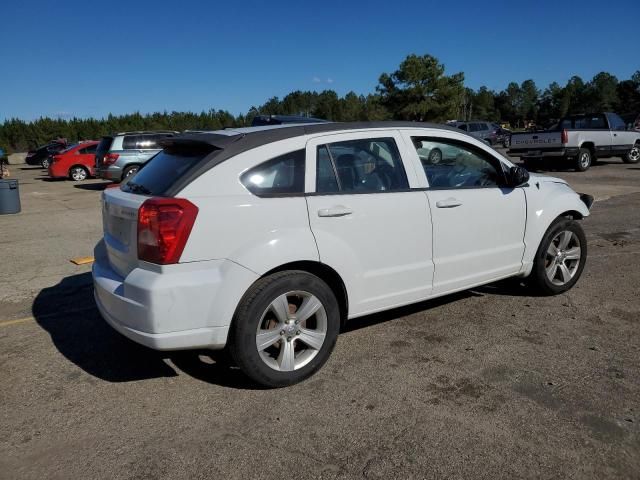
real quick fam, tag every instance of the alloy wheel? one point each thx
(585, 160)
(634, 154)
(292, 331)
(563, 258)
(78, 174)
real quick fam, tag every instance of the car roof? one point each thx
(228, 143)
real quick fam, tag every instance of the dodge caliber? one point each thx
(266, 240)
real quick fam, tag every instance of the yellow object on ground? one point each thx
(82, 260)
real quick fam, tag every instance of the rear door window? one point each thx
(88, 150)
(361, 166)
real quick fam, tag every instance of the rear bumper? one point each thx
(182, 307)
(112, 172)
(543, 153)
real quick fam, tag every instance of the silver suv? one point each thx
(484, 131)
(121, 155)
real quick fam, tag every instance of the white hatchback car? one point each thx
(265, 240)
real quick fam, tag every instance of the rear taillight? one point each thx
(110, 158)
(164, 225)
(564, 138)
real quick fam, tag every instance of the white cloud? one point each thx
(329, 80)
(316, 80)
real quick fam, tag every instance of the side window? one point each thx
(147, 142)
(474, 127)
(88, 150)
(464, 127)
(615, 122)
(596, 122)
(129, 142)
(280, 175)
(449, 164)
(368, 165)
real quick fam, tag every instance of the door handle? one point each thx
(448, 203)
(337, 211)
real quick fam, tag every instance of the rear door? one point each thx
(478, 224)
(86, 156)
(368, 223)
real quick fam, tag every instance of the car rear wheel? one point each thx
(583, 162)
(131, 170)
(560, 258)
(507, 141)
(77, 173)
(285, 328)
(633, 155)
(45, 163)
(435, 156)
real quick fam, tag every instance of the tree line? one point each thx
(419, 90)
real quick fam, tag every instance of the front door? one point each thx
(369, 226)
(478, 224)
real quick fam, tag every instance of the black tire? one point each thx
(435, 156)
(45, 162)
(77, 173)
(130, 170)
(584, 160)
(633, 155)
(542, 261)
(506, 143)
(249, 316)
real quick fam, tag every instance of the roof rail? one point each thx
(143, 132)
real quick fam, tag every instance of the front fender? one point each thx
(546, 201)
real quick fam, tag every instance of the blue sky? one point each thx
(70, 58)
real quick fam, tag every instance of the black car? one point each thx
(41, 155)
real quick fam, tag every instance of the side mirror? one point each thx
(517, 176)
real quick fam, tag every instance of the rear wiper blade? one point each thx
(137, 188)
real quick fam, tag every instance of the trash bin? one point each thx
(9, 197)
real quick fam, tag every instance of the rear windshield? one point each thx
(164, 170)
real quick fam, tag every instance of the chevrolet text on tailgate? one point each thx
(580, 139)
(266, 240)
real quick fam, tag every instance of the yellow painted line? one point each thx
(6, 323)
(82, 260)
(18, 321)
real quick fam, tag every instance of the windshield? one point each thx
(162, 171)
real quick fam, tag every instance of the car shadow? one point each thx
(633, 168)
(33, 167)
(68, 313)
(95, 187)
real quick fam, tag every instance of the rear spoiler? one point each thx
(198, 140)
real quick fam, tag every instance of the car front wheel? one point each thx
(285, 328)
(560, 258)
(633, 155)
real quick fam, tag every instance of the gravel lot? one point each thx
(489, 383)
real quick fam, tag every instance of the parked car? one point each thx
(76, 162)
(121, 155)
(485, 131)
(266, 240)
(41, 155)
(261, 120)
(579, 139)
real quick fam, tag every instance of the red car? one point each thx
(76, 162)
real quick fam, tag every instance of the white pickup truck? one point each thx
(581, 139)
